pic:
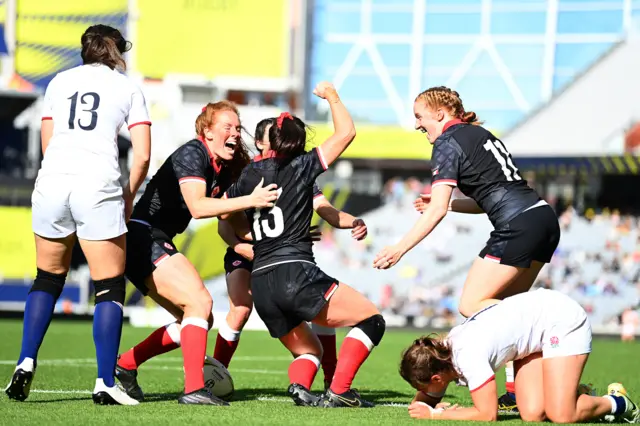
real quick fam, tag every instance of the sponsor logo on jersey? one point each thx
(237, 262)
(168, 246)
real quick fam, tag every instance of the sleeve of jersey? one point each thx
(190, 164)
(47, 108)
(243, 186)
(445, 161)
(312, 164)
(317, 194)
(138, 114)
(475, 369)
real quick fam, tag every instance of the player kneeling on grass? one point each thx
(545, 333)
(287, 286)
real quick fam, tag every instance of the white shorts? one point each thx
(568, 332)
(64, 204)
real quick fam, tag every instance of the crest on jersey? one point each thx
(555, 342)
(215, 191)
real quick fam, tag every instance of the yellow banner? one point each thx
(380, 142)
(17, 247)
(247, 38)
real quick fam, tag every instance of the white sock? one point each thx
(228, 333)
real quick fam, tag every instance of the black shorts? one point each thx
(233, 261)
(532, 235)
(287, 294)
(146, 248)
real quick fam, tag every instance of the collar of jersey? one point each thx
(216, 167)
(270, 154)
(450, 123)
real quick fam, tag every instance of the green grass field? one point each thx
(66, 374)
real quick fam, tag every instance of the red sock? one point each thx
(226, 344)
(329, 356)
(355, 349)
(162, 340)
(303, 370)
(194, 349)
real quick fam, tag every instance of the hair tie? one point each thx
(204, 108)
(282, 117)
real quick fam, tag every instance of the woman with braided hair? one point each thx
(526, 230)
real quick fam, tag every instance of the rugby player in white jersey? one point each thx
(547, 335)
(77, 196)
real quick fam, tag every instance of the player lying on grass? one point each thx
(287, 286)
(185, 187)
(238, 263)
(526, 230)
(546, 334)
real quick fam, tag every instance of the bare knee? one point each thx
(532, 414)
(563, 417)
(200, 304)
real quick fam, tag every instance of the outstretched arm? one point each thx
(435, 212)
(339, 219)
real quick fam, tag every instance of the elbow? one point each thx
(195, 212)
(439, 212)
(350, 135)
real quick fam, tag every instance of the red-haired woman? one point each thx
(188, 185)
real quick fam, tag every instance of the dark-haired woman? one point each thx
(238, 263)
(77, 196)
(188, 185)
(526, 230)
(548, 337)
(287, 286)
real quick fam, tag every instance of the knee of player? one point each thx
(202, 301)
(531, 412)
(372, 328)
(110, 290)
(49, 282)
(564, 416)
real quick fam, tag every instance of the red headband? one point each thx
(282, 117)
(204, 108)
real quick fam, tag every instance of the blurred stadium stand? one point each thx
(556, 79)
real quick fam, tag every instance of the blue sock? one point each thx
(38, 312)
(621, 405)
(107, 329)
(512, 395)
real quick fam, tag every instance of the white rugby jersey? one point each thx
(88, 104)
(507, 331)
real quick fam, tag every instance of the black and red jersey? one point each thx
(162, 205)
(281, 233)
(473, 159)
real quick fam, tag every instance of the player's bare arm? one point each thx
(46, 131)
(344, 129)
(228, 232)
(435, 212)
(340, 219)
(457, 205)
(141, 147)
(200, 206)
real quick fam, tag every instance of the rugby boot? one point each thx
(114, 395)
(348, 399)
(302, 396)
(201, 397)
(631, 413)
(20, 384)
(507, 404)
(129, 381)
